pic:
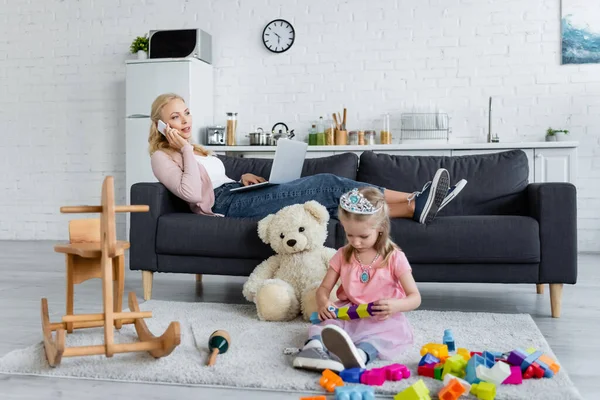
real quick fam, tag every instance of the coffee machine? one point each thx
(215, 135)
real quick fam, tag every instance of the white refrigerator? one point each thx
(190, 78)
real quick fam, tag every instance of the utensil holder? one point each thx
(341, 137)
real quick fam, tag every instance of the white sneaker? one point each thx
(316, 359)
(453, 191)
(338, 343)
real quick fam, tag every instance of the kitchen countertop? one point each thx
(411, 146)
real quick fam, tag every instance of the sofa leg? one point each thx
(147, 284)
(539, 289)
(555, 298)
(199, 278)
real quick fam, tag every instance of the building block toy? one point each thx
(448, 340)
(426, 370)
(396, 372)
(471, 371)
(484, 390)
(515, 377)
(438, 371)
(373, 377)
(417, 391)
(516, 357)
(451, 391)
(533, 371)
(488, 359)
(355, 392)
(330, 380)
(455, 365)
(496, 375)
(437, 350)
(314, 398)
(464, 353)
(347, 312)
(530, 359)
(465, 384)
(429, 359)
(352, 375)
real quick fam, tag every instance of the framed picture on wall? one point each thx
(580, 20)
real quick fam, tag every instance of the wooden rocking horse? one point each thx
(94, 252)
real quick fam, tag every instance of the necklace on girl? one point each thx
(365, 275)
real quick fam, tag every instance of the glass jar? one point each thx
(230, 132)
(353, 138)
(370, 137)
(386, 134)
(329, 132)
(321, 132)
(361, 138)
(312, 135)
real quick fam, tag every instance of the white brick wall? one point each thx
(62, 91)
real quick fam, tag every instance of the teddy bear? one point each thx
(285, 284)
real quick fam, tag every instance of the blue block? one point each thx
(314, 318)
(448, 340)
(530, 359)
(488, 359)
(472, 365)
(428, 359)
(354, 392)
(352, 375)
(548, 373)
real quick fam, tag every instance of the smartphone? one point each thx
(161, 127)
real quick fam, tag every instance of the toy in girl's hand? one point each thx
(347, 312)
(218, 342)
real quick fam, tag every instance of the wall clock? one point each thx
(278, 36)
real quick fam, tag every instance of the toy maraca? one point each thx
(218, 342)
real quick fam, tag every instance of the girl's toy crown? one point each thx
(356, 203)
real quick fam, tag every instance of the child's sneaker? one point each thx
(338, 343)
(453, 192)
(429, 199)
(316, 359)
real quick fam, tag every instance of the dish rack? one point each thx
(424, 126)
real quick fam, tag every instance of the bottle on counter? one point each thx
(312, 135)
(321, 132)
(386, 134)
(230, 131)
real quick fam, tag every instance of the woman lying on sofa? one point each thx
(193, 174)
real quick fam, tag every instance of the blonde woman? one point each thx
(198, 177)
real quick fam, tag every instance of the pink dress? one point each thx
(389, 336)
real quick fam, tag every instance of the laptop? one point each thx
(287, 164)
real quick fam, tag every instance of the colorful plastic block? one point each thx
(417, 391)
(484, 390)
(426, 370)
(448, 339)
(347, 312)
(455, 365)
(330, 380)
(465, 384)
(464, 353)
(452, 391)
(438, 371)
(533, 371)
(488, 359)
(314, 398)
(437, 350)
(530, 359)
(515, 377)
(354, 392)
(516, 357)
(352, 375)
(396, 372)
(496, 375)
(373, 377)
(471, 371)
(429, 359)
(553, 365)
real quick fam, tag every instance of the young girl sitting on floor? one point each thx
(372, 269)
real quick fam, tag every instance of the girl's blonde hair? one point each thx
(381, 221)
(157, 141)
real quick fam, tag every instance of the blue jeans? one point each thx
(258, 203)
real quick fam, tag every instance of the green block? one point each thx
(438, 372)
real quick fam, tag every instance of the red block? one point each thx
(426, 370)
(533, 371)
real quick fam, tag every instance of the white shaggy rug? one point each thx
(256, 356)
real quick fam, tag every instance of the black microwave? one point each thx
(180, 43)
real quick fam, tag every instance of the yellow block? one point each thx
(343, 313)
(362, 311)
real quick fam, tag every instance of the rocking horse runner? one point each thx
(94, 252)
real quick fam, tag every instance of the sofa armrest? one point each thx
(554, 206)
(143, 226)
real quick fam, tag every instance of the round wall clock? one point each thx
(278, 36)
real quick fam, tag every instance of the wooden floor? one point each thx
(31, 270)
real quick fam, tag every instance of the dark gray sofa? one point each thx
(501, 229)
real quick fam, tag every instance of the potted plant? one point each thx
(139, 46)
(553, 135)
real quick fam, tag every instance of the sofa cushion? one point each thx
(496, 182)
(345, 165)
(469, 240)
(199, 235)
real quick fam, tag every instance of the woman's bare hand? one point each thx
(251, 179)
(176, 141)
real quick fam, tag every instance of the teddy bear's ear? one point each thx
(263, 228)
(317, 210)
